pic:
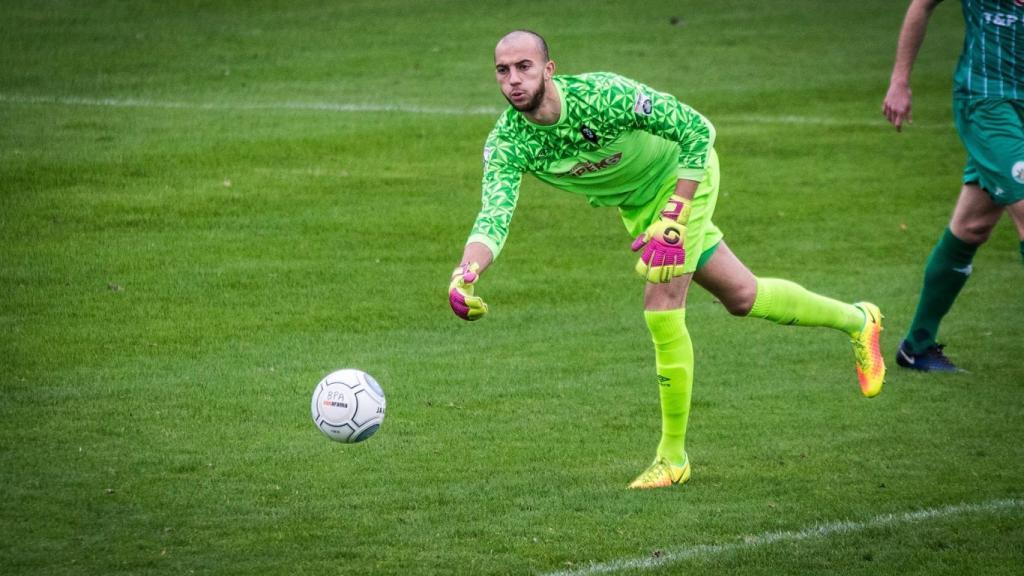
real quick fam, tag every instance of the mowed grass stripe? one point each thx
(817, 531)
(349, 107)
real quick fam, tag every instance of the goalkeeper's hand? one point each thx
(460, 293)
(664, 243)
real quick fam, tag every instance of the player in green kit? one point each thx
(621, 144)
(988, 107)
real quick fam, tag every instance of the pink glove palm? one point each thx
(460, 293)
(664, 243)
(664, 251)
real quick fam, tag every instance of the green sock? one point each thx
(673, 356)
(945, 274)
(785, 302)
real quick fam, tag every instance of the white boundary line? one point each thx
(768, 538)
(243, 106)
(406, 108)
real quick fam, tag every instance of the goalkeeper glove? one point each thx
(664, 243)
(460, 293)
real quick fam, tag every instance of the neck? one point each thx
(550, 109)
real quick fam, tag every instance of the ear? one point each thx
(549, 69)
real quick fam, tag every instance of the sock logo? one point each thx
(966, 270)
(664, 381)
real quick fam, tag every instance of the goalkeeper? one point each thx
(619, 143)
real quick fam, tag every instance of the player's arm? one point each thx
(897, 104)
(500, 191)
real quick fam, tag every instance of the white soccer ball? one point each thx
(348, 405)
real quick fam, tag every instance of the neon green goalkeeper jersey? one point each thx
(616, 142)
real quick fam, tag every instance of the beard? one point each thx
(532, 104)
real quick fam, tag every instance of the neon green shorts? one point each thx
(702, 236)
(993, 133)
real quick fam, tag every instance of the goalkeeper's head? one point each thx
(523, 69)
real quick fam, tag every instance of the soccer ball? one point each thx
(348, 405)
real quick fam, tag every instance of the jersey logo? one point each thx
(586, 167)
(487, 154)
(1000, 19)
(588, 134)
(642, 105)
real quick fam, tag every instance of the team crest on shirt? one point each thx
(642, 105)
(1018, 171)
(588, 134)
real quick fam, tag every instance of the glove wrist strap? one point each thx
(467, 268)
(677, 209)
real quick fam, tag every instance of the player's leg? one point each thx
(993, 133)
(665, 315)
(1016, 212)
(777, 300)
(975, 215)
(945, 273)
(787, 303)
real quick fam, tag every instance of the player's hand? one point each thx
(664, 243)
(897, 106)
(664, 251)
(460, 293)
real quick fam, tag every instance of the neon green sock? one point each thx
(785, 302)
(673, 356)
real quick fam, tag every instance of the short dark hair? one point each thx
(537, 37)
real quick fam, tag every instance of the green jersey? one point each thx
(615, 143)
(990, 65)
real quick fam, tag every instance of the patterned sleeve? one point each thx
(663, 115)
(500, 191)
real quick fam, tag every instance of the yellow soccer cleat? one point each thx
(662, 473)
(870, 364)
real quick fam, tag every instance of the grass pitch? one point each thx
(205, 207)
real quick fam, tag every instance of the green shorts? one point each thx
(993, 133)
(702, 236)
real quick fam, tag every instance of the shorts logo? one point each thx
(1018, 171)
(642, 105)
